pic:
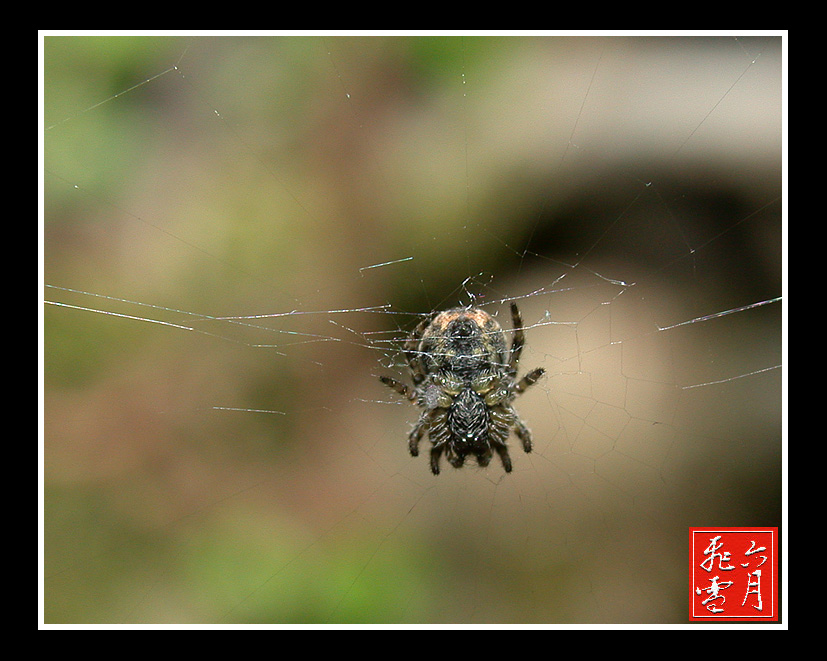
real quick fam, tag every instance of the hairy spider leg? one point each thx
(523, 433)
(411, 356)
(505, 458)
(416, 433)
(529, 380)
(518, 342)
(399, 387)
(412, 353)
(516, 351)
(502, 418)
(436, 453)
(439, 434)
(484, 458)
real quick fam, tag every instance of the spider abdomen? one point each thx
(468, 421)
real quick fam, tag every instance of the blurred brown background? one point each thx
(613, 186)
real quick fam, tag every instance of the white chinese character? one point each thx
(714, 592)
(712, 552)
(757, 591)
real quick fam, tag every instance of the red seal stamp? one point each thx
(733, 574)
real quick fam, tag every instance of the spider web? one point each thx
(239, 233)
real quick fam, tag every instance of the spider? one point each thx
(464, 380)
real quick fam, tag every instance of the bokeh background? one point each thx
(255, 470)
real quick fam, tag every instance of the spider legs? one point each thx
(502, 418)
(517, 345)
(411, 352)
(424, 420)
(458, 428)
(416, 435)
(518, 342)
(436, 453)
(399, 387)
(456, 460)
(523, 433)
(528, 380)
(505, 458)
(412, 358)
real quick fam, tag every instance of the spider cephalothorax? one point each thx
(464, 379)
